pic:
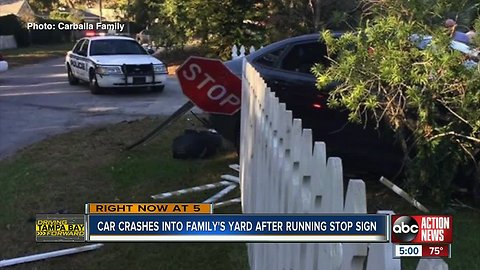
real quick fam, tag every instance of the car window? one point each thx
(270, 58)
(84, 48)
(115, 46)
(302, 57)
(77, 46)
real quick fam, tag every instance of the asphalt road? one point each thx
(36, 101)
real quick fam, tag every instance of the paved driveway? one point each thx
(36, 101)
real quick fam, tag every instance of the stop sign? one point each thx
(210, 85)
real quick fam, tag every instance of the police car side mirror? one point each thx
(150, 51)
(82, 53)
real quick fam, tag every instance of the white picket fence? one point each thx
(282, 171)
(241, 51)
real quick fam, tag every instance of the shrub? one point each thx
(428, 97)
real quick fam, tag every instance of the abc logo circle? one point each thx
(405, 228)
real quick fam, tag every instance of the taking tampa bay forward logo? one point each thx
(405, 229)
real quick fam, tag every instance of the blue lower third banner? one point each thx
(238, 228)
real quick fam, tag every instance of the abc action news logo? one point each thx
(422, 229)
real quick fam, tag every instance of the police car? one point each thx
(114, 61)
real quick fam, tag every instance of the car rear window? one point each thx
(302, 57)
(270, 58)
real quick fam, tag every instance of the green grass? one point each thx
(35, 53)
(66, 171)
(466, 241)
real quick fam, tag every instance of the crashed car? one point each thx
(285, 66)
(366, 152)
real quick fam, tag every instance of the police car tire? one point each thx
(94, 88)
(158, 89)
(71, 78)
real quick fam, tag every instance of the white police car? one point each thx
(114, 61)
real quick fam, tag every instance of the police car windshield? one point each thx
(115, 46)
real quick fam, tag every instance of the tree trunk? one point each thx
(317, 22)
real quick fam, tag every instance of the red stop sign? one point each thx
(210, 85)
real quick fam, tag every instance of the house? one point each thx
(109, 14)
(75, 15)
(20, 8)
(88, 17)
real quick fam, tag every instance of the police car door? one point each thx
(78, 60)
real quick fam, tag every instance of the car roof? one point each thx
(235, 65)
(109, 37)
(283, 42)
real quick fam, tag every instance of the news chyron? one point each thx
(196, 222)
(422, 235)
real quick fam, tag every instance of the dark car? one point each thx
(366, 151)
(286, 68)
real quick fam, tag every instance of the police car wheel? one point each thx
(71, 78)
(158, 89)
(94, 88)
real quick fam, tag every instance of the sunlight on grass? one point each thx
(35, 53)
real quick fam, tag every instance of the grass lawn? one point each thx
(35, 53)
(66, 171)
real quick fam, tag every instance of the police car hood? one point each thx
(134, 59)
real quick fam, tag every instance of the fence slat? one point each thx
(242, 51)
(234, 52)
(354, 255)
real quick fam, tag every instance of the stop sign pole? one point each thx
(210, 85)
(164, 125)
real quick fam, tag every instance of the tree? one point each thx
(428, 97)
(215, 23)
(41, 6)
(221, 23)
(64, 16)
